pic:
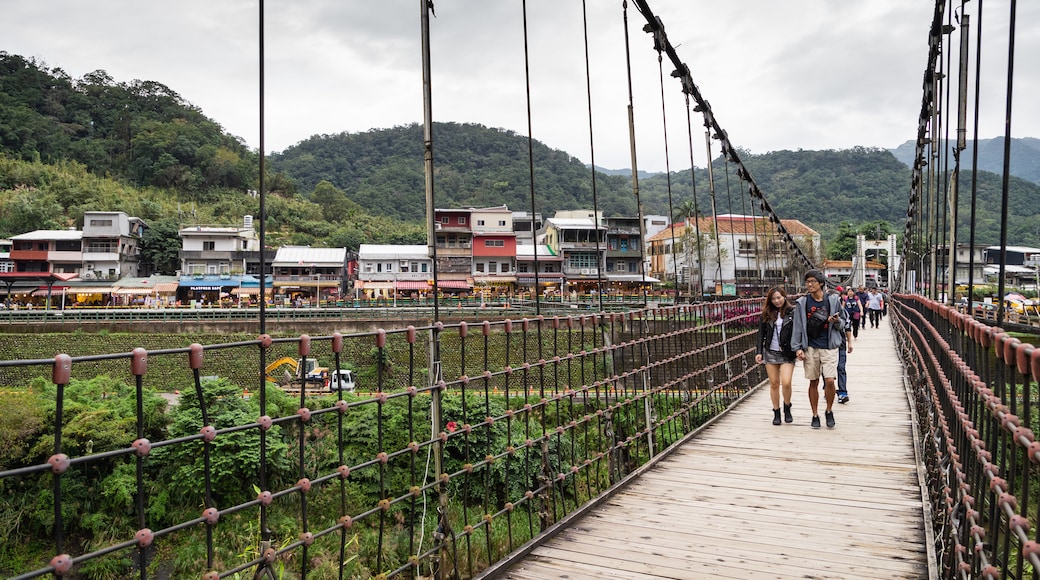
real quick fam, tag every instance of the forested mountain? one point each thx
(476, 166)
(162, 159)
(142, 131)
(1025, 156)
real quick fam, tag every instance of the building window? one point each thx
(746, 247)
(96, 223)
(505, 267)
(480, 222)
(494, 243)
(582, 260)
(480, 267)
(632, 267)
(209, 246)
(424, 268)
(492, 267)
(379, 267)
(522, 268)
(501, 223)
(444, 220)
(462, 220)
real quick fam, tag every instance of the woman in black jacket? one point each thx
(774, 349)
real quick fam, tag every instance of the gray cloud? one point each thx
(814, 74)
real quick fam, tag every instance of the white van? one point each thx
(341, 380)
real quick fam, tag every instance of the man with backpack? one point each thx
(820, 328)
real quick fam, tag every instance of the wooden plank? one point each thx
(747, 499)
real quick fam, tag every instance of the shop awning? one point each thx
(412, 285)
(495, 280)
(79, 290)
(255, 291)
(160, 288)
(542, 278)
(373, 285)
(631, 278)
(452, 284)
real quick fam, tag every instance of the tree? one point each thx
(843, 246)
(27, 209)
(160, 247)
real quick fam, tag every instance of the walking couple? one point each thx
(811, 330)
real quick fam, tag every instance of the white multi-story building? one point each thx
(309, 274)
(384, 269)
(6, 264)
(216, 250)
(111, 245)
(56, 251)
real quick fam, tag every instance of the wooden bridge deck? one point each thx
(746, 499)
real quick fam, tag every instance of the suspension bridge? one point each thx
(553, 445)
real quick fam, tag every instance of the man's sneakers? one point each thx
(843, 398)
(828, 415)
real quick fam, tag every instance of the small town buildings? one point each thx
(541, 264)
(302, 274)
(6, 265)
(453, 234)
(728, 254)
(385, 269)
(494, 250)
(220, 249)
(111, 245)
(55, 251)
(581, 243)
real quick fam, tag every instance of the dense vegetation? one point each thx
(69, 145)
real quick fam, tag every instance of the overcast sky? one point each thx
(779, 74)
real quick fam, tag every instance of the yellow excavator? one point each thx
(313, 377)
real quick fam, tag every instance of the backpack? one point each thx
(817, 323)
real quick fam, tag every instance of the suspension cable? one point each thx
(682, 72)
(530, 162)
(696, 208)
(592, 155)
(1005, 183)
(975, 159)
(667, 163)
(632, 151)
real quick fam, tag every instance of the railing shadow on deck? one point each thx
(461, 445)
(977, 405)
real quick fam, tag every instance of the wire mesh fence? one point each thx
(456, 446)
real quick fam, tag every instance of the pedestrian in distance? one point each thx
(854, 311)
(774, 349)
(874, 306)
(820, 325)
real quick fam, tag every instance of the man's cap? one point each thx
(840, 289)
(818, 275)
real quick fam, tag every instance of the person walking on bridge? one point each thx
(820, 327)
(874, 305)
(774, 349)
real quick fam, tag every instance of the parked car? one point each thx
(341, 380)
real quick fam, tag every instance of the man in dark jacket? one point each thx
(819, 353)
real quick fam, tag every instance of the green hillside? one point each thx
(70, 145)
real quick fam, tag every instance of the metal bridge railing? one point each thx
(461, 444)
(977, 407)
